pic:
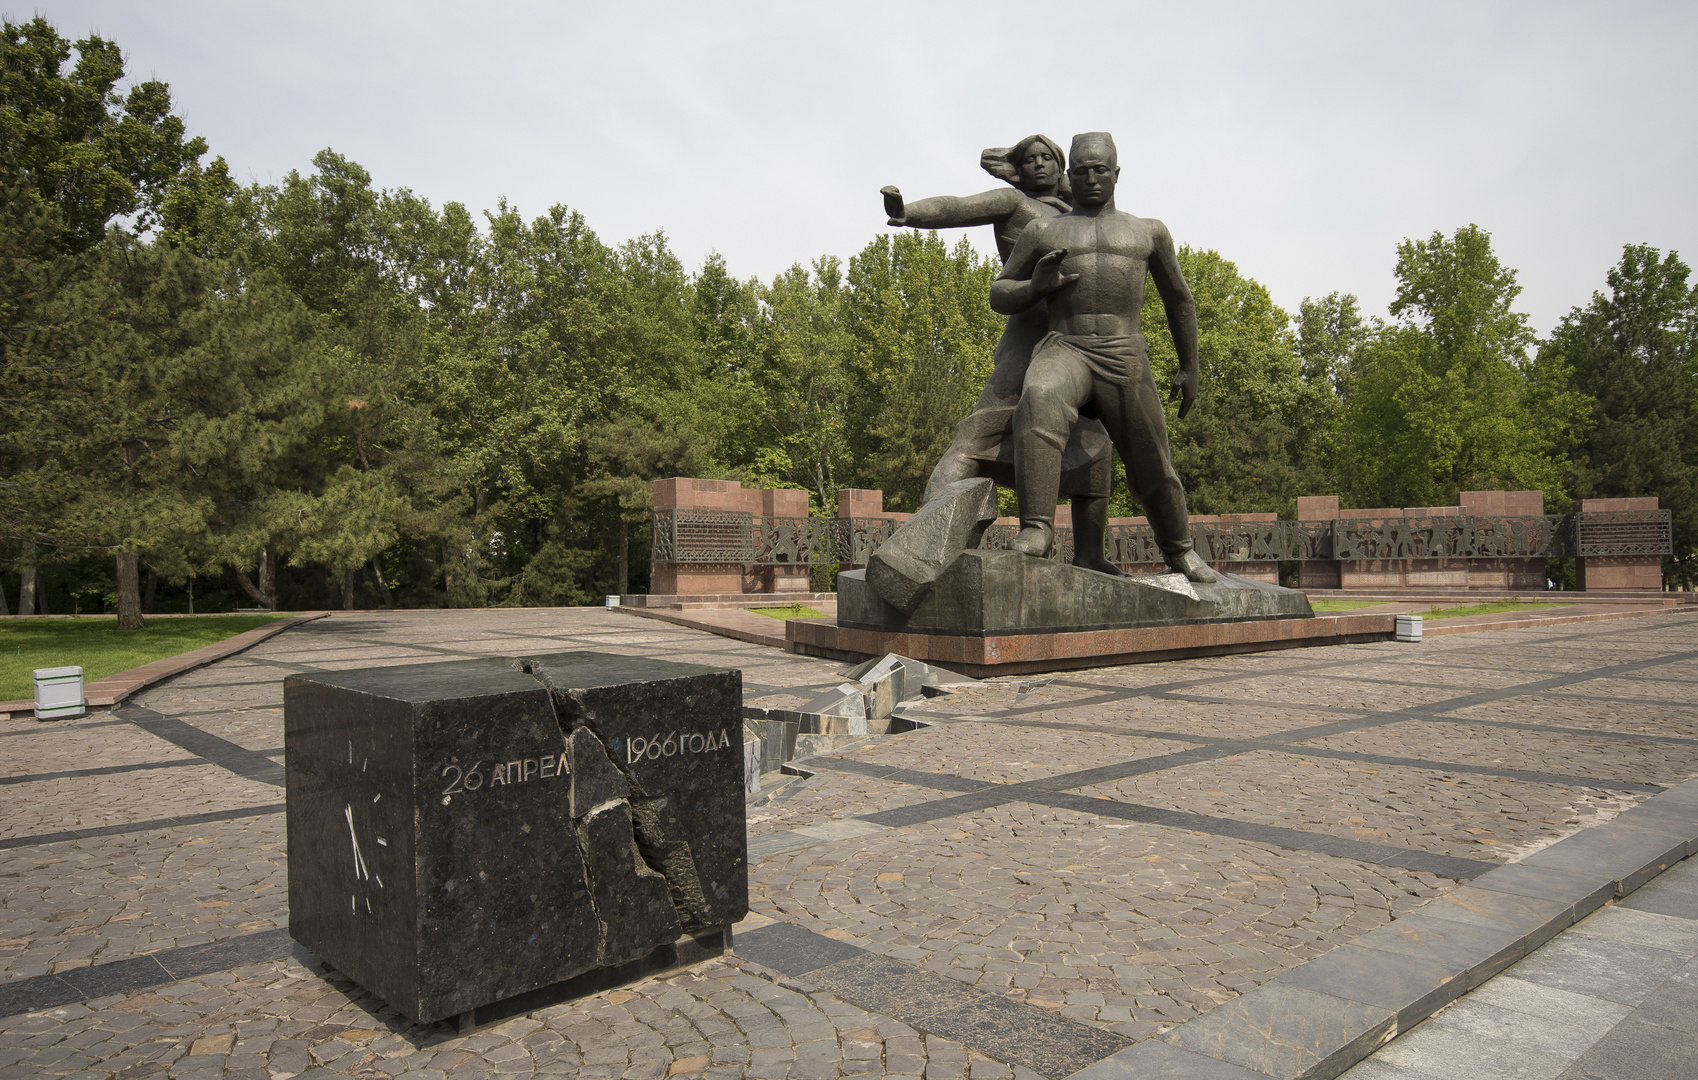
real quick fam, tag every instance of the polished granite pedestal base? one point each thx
(985, 656)
(465, 832)
(1005, 592)
(1003, 613)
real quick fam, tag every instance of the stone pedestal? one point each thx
(1001, 592)
(465, 832)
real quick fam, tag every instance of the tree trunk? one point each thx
(26, 590)
(147, 595)
(624, 557)
(129, 593)
(382, 586)
(348, 589)
(247, 585)
(265, 586)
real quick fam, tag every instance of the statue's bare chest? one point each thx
(1119, 236)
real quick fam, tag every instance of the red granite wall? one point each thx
(1602, 573)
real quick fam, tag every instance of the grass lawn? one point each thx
(791, 611)
(100, 648)
(1437, 613)
(1485, 609)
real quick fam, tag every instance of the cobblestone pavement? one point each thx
(1119, 849)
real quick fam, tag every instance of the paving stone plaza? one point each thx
(1055, 870)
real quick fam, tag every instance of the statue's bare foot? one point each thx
(1100, 564)
(1193, 567)
(1035, 540)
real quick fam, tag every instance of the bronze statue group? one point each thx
(1072, 374)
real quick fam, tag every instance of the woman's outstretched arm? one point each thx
(952, 211)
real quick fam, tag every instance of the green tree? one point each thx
(1447, 399)
(1236, 451)
(87, 149)
(925, 341)
(35, 335)
(349, 254)
(1634, 355)
(1333, 339)
(803, 369)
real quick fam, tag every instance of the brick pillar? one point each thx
(1604, 573)
(864, 503)
(1317, 573)
(698, 579)
(1508, 574)
(787, 577)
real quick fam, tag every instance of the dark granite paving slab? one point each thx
(106, 770)
(791, 949)
(1413, 987)
(219, 751)
(143, 972)
(1157, 1060)
(1052, 792)
(1288, 1031)
(995, 1025)
(1581, 892)
(39, 839)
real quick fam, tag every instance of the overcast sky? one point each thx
(1303, 141)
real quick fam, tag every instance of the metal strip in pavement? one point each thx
(38, 839)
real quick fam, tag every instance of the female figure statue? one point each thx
(1036, 170)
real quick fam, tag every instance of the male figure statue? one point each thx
(982, 445)
(1091, 263)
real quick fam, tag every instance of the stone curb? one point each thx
(699, 620)
(1318, 1019)
(1466, 625)
(113, 689)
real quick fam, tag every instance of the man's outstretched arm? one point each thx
(1027, 277)
(1181, 316)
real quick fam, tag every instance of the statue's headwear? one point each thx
(1089, 138)
(1003, 162)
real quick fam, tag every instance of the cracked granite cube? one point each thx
(461, 833)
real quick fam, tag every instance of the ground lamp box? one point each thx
(465, 832)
